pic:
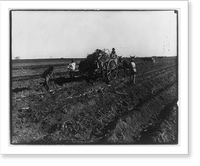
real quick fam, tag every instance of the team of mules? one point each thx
(100, 60)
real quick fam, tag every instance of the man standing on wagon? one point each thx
(113, 54)
(71, 68)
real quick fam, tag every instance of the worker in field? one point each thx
(132, 70)
(71, 68)
(47, 75)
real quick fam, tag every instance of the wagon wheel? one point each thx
(111, 70)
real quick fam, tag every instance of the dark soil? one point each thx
(97, 112)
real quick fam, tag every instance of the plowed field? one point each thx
(95, 113)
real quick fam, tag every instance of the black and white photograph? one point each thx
(94, 77)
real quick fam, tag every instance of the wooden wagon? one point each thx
(98, 64)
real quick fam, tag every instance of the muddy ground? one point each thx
(96, 113)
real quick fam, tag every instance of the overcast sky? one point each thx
(56, 34)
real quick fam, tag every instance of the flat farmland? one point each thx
(95, 113)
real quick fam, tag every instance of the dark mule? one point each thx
(129, 65)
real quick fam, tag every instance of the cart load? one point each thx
(99, 63)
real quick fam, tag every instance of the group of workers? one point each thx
(49, 73)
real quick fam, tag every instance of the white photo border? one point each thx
(183, 142)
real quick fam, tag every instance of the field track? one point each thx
(99, 113)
